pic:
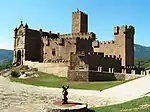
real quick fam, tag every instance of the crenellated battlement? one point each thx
(77, 34)
(78, 11)
(59, 41)
(88, 53)
(70, 39)
(96, 53)
(112, 57)
(87, 35)
(45, 40)
(131, 67)
(99, 43)
(99, 55)
(106, 42)
(124, 29)
(58, 61)
(45, 37)
(51, 38)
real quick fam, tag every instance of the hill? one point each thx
(141, 51)
(6, 54)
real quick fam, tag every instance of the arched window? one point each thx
(18, 40)
(53, 52)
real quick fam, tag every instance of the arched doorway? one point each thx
(19, 57)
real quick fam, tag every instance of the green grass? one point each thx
(54, 81)
(131, 106)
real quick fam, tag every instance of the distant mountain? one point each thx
(6, 54)
(139, 52)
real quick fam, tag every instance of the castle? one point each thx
(74, 53)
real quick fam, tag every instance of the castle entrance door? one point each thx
(19, 57)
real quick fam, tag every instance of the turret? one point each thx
(79, 22)
(15, 32)
(26, 26)
(124, 30)
(124, 37)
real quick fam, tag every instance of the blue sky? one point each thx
(55, 15)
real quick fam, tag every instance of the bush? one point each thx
(6, 64)
(24, 67)
(15, 73)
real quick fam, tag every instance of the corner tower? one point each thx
(124, 37)
(79, 22)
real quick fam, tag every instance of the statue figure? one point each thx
(65, 93)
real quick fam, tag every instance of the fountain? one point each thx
(67, 106)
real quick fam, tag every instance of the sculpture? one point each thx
(65, 93)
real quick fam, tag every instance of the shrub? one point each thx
(24, 67)
(15, 73)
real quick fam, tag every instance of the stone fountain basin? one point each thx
(57, 106)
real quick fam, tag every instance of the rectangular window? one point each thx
(53, 52)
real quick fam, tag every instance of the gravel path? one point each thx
(16, 97)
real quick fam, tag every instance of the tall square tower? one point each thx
(79, 22)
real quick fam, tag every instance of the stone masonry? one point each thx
(78, 47)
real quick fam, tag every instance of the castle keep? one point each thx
(70, 55)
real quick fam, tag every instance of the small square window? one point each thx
(53, 52)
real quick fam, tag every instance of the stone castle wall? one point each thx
(81, 35)
(79, 22)
(54, 50)
(32, 45)
(75, 75)
(55, 68)
(64, 44)
(92, 75)
(122, 45)
(57, 48)
(108, 47)
(93, 60)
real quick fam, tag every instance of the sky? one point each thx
(56, 16)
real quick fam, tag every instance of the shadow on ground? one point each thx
(89, 110)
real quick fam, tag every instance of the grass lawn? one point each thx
(138, 105)
(54, 81)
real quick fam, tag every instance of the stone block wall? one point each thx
(79, 22)
(132, 76)
(101, 76)
(120, 76)
(62, 70)
(122, 45)
(58, 69)
(94, 60)
(32, 45)
(74, 75)
(62, 47)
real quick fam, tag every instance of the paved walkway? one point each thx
(16, 97)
